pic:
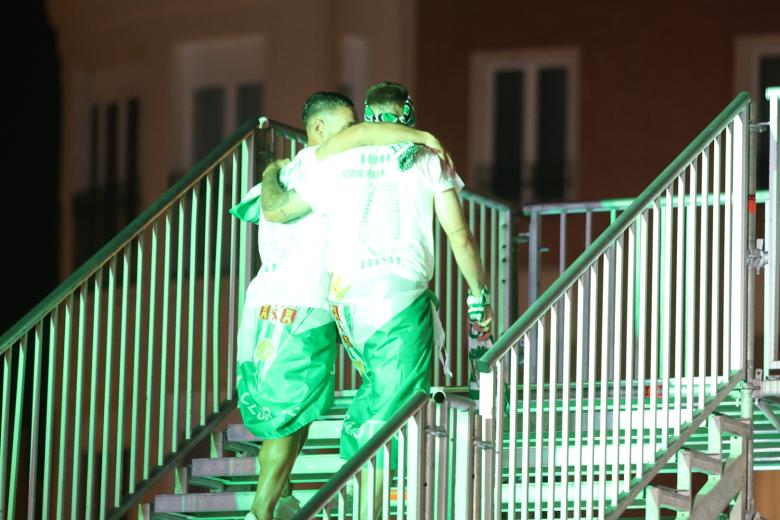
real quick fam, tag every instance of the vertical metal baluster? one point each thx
(703, 275)
(539, 423)
(495, 285)
(592, 350)
(233, 315)
(108, 382)
(7, 357)
(17, 427)
(357, 491)
(76, 452)
(450, 304)
(215, 326)
(578, 395)
(679, 285)
(553, 410)
(139, 289)
(567, 317)
(616, 367)
(204, 324)
(179, 326)
(666, 312)
(655, 283)
(193, 275)
(526, 455)
(727, 241)
(13, 475)
(740, 245)
(166, 279)
(561, 268)
(514, 363)
(387, 453)
(120, 429)
(461, 352)
(96, 350)
(32, 481)
(401, 487)
(690, 292)
(150, 350)
(50, 406)
(534, 258)
(244, 253)
(642, 252)
(630, 342)
(498, 421)
(715, 280)
(607, 313)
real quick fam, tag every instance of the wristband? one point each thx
(476, 305)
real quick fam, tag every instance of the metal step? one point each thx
(323, 434)
(241, 471)
(212, 505)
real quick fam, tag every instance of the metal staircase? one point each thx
(626, 389)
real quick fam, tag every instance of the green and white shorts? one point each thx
(286, 365)
(390, 341)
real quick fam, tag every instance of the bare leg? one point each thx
(277, 457)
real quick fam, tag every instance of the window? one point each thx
(353, 67)
(757, 68)
(110, 199)
(221, 85)
(523, 122)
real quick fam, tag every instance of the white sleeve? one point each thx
(440, 175)
(312, 184)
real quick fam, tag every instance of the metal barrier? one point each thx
(399, 445)
(117, 375)
(772, 240)
(128, 364)
(651, 331)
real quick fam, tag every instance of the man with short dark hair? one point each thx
(287, 338)
(380, 201)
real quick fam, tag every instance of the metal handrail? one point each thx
(620, 204)
(557, 290)
(125, 236)
(354, 465)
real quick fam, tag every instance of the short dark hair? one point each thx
(386, 93)
(323, 102)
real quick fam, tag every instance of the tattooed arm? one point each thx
(280, 205)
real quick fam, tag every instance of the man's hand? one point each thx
(487, 320)
(436, 147)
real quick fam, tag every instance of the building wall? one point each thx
(651, 75)
(114, 50)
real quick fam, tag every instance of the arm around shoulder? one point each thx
(280, 205)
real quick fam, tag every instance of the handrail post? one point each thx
(534, 261)
(772, 239)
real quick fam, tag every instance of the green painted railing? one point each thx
(645, 325)
(122, 370)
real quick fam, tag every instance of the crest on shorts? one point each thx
(265, 311)
(288, 315)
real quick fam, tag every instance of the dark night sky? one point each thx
(31, 141)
